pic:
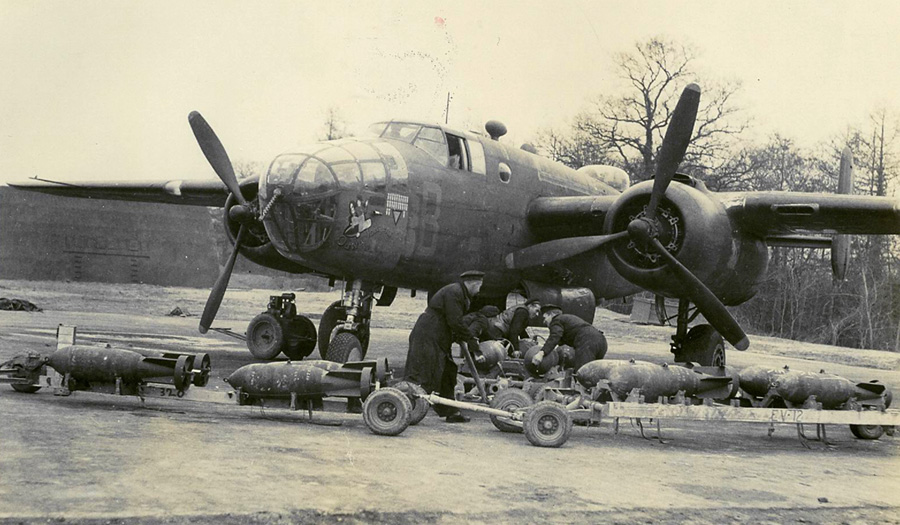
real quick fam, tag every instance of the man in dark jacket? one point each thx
(512, 322)
(429, 361)
(587, 342)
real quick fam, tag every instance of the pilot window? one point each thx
(458, 153)
(400, 131)
(432, 141)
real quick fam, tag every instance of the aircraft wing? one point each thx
(775, 215)
(186, 192)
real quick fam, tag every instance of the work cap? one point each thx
(471, 274)
(532, 301)
(547, 307)
(489, 311)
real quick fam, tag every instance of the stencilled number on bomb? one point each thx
(430, 212)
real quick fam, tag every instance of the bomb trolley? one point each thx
(386, 410)
(615, 390)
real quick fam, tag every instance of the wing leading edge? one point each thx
(783, 215)
(183, 192)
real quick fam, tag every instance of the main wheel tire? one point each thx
(333, 315)
(330, 318)
(547, 424)
(867, 431)
(509, 399)
(419, 405)
(704, 346)
(265, 336)
(25, 389)
(386, 412)
(300, 340)
(345, 347)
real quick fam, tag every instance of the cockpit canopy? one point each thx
(455, 151)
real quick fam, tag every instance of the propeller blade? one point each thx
(557, 250)
(218, 291)
(674, 145)
(708, 304)
(215, 154)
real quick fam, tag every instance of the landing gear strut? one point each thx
(701, 344)
(279, 329)
(344, 329)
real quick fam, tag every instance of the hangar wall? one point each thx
(46, 237)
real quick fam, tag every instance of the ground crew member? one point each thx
(429, 361)
(587, 342)
(478, 322)
(512, 322)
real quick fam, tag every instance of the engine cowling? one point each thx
(256, 245)
(695, 228)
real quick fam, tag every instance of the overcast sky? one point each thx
(102, 90)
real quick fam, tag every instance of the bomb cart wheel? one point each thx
(867, 431)
(419, 405)
(704, 346)
(25, 389)
(204, 365)
(265, 337)
(386, 412)
(547, 424)
(345, 347)
(509, 399)
(183, 374)
(300, 340)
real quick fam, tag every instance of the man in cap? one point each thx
(512, 322)
(588, 344)
(429, 361)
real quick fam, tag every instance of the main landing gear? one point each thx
(701, 344)
(343, 333)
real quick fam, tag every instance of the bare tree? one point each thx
(334, 127)
(631, 125)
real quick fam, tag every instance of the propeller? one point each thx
(218, 290)
(644, 230)
(215, 153)
(557, 249)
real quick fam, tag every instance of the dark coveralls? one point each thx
(511, 325)
(429, 361)
(567, 329)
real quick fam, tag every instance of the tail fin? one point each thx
(840, 244)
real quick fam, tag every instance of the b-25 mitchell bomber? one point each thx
(413, 204)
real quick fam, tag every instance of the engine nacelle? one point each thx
(256, 245)
(697, 230)
(577, 301)
(611, 175)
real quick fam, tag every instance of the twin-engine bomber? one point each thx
(412, 205)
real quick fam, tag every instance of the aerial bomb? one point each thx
(492, 352)
(592, 373)
(829, 389)
(757, 380)
(202, 363)
(653, 380)
(87, 364)
(318, 379)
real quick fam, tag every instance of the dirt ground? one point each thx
(90, 458)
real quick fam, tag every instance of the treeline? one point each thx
(797, 298)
